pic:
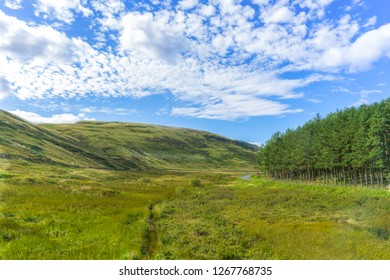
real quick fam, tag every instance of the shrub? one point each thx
(195, 183)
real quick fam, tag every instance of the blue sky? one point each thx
(243, 69)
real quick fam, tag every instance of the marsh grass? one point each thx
(65, 213)
(76, 218)
(260, 219)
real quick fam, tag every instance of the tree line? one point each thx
(348, 147)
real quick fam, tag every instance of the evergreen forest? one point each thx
(347, 147)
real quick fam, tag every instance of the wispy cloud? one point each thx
(56, 118)
(364, 96)
(111, 111)
(314, 100)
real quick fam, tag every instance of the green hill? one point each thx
(120, 146)
(142, 146)
(21, 141)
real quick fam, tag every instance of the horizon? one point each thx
(241, 69)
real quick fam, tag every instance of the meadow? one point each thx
(100, 214)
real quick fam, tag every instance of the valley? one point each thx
(101, 191)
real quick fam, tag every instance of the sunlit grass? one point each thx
(77, 219)
(260, 219)
(101, 214)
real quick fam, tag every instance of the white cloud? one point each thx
(188, 4)
(314, 100)
(228, 6)
(217, 61)
(279, 15)
(207, 11)
(361, 54)
(111, 111)
(371, 22)
(36, 118)
(152, 37)
(369, 91)
(63, 10)
(233, 107)
(364, 96)
(316, 7)
(33, 43)
(110, 11)
(13, 4)
(260, 2)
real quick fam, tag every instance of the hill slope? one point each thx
(160, 147)
(120, 146)
(21, 141)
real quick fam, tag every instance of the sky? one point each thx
(242, 69)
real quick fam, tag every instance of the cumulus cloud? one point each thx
(63, 10)
(188, 4)
(279, 15)
(110, 11)
(13, 4)
(220, 60)
(151, 37)
(359, 55)
(33, 42)
(56, 119)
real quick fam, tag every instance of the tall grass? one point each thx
(75, 219)
(261, 219)
(68, 213)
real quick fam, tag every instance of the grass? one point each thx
(120, 146)
(79, 219)
(261, 219)
(70, 213)
(149, 147)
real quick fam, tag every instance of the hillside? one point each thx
(21, 141)
(120, 146)
(160, 147)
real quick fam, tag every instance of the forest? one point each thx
(347, 147)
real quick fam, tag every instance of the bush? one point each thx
(195, 183)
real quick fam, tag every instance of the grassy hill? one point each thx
(21, 141)
(144, 147)
(120, 146)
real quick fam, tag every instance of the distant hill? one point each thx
(143, 146)
(120, 146)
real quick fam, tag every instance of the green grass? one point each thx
(149, 147)
(76, 220)
(270, 220)
(70, 213)
(120, 146)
